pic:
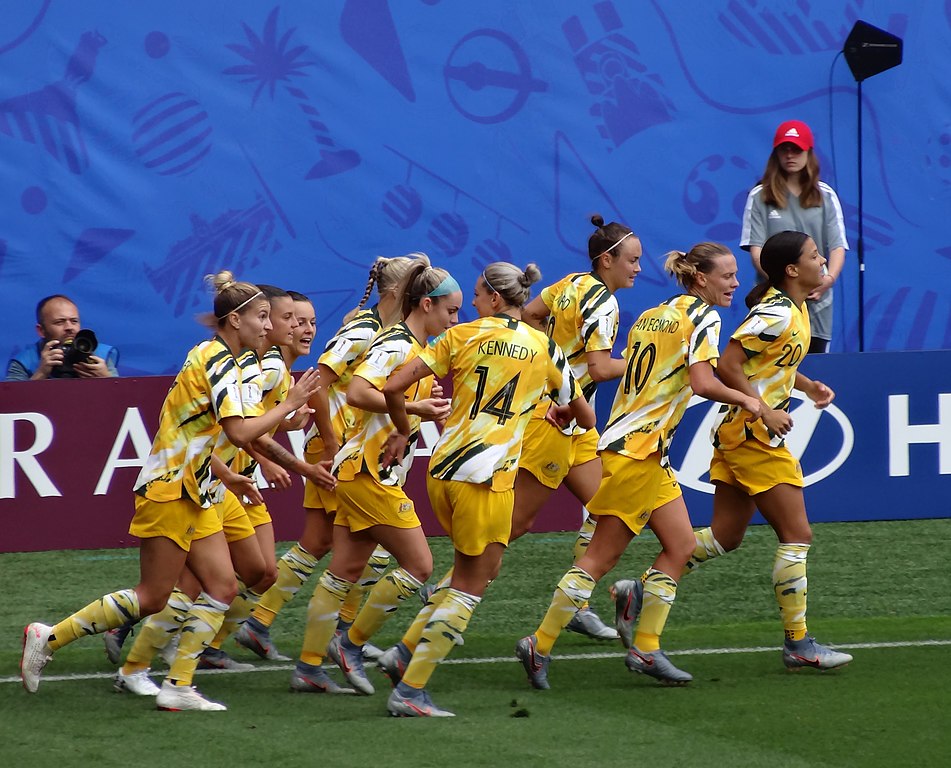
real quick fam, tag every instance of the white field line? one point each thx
(511, 659)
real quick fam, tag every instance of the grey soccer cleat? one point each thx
(628, 596)
(371, 653)
(114, 639)
(349, 658)
(412, 702)
(587, 622)
(394, 661)
(808, 653)
(306, 678)
(536, 665)
(656, 664)
(257, 638)
(215, 658)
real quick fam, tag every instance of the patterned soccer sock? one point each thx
(585, 533)
(157, 631)
(322, 614)
(707, 548)
(201, 624)
(375, 568)
(238, 612)
(415, 630)
(382, 602)
(293, 569)
(448, 622)
(789, 584)
(571, 595)
(660, 590)
(110, 611)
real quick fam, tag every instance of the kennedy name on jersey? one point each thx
(506, 349)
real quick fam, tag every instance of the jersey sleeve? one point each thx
(835, 236)
(754, 220)
(599, 325)
(381, 361)
(224, 383)
(437, 354)
(704, 343)
(761, 328)
(562, 386)
(349, 343)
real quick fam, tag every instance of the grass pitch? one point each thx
(877, 588)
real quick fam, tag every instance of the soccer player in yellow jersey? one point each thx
(500, 368)
(671, 352)
(254, 556)
(751, 467)
(372, 508)
(247, 528)
(172, 500)
(580, 314)
(331, 419)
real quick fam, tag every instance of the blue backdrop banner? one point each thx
(144, 145)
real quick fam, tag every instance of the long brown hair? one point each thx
(774, 182)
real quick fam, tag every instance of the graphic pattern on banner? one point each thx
(143, 147)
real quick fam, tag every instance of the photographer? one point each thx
(63, 351)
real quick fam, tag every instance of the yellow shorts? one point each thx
(631, 489)
(754, 467)
(231, 517)
(176, 520)
(363, 502)
(472, 514)
(549, 453)
(316, 497)
(258, 515)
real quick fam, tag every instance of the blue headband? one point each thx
(447, 286)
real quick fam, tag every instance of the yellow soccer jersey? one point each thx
(364, 447)
(210, 386)
(583, 318)
(275, 381)
(341, 354)
(775, 335)
(500, 369)
(653, 394)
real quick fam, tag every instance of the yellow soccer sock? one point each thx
(157, 631)
(448, 622)
(237, 614)
(384, 598)
(108, 612)
(201, 624)
(660, 591)
(322, 614)
(293, 569)
(585, 534)
(707, 548)
(571, 595)
(789, 584)
(376, 566)
(415, 630)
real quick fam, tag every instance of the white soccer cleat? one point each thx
(181, 698)
(36, 654)
(138, 683)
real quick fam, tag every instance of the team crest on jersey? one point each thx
(406, 509)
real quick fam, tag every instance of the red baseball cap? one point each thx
(794, 132)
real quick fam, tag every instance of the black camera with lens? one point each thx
(75, 350)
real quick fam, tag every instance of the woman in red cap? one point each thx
(790, 196)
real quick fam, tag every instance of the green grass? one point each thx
(869, 583)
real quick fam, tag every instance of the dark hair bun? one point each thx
(597, 220)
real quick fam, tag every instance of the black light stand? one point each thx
(868, 51)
